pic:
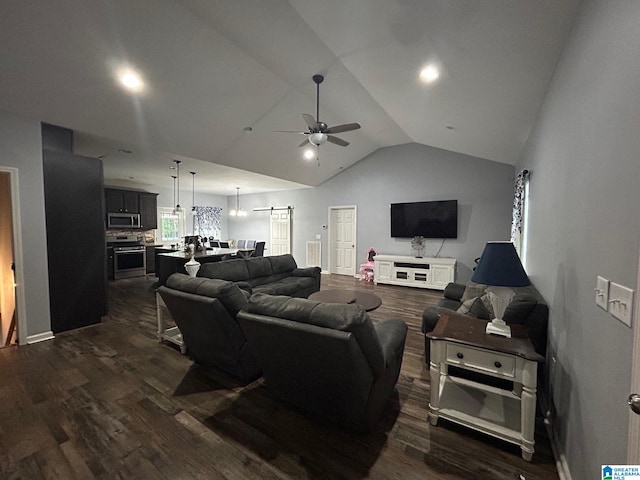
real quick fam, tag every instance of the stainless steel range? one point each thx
(129, 256)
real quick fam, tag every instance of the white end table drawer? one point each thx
(481, 360)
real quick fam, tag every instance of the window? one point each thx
(170, 226)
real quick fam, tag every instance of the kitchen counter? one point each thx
(172, 262)
(208, 253)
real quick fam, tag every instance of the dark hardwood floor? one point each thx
(109, 402)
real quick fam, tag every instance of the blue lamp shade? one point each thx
(500, 266)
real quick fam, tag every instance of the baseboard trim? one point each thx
(40, 337)
(561, 461)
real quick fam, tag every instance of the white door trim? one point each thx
(633, 442)
(355, 237)
(21, 308)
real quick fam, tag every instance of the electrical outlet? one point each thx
(621, 302)
(602, 293)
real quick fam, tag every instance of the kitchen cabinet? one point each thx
(134, 201)
(122, 201)
(148, 203)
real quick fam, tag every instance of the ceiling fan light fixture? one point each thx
(318, 138)
(429, 73)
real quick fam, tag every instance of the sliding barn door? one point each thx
(280, 242)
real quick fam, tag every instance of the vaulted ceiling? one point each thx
(214, 69)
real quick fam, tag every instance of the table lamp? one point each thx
(500, 268)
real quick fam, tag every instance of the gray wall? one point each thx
(21, 148)
(584, 158)
(404, 173)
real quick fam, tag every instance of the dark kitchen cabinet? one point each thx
(150, 253)
(122, 201)
(134, 201)
(148, 210)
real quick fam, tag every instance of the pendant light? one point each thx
(193, 193)
(238, 212)
(174, 190)
(177, 209)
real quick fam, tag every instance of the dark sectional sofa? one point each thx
(277, 275)
(329, 359)
(205, 312)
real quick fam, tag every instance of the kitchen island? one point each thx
(173, 262)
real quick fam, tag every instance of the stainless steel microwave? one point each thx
(123, 220)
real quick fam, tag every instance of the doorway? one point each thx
(11, 293)
(342, 240)
(280, 232)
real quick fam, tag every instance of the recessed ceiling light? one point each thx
(131, 80)
(429, 74)
(450, 127)
(248, 129)
(124, 150)
(309, 154)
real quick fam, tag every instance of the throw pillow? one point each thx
(517, 311)
(473, 290)
(519, 308)
(474, 307)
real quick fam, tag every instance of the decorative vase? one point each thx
(417, 244)
(192, 267)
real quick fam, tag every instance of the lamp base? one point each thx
(498, 326)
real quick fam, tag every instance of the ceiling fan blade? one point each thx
(306, 140)
(309, 120)
(291, 131)
(337, 141)
(347, 127)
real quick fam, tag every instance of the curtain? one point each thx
(517, 221)
(207, 222)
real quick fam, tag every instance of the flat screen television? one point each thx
(429, 219)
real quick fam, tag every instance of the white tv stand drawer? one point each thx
(422, 272)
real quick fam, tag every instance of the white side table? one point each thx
(172, 334)
(509, 415)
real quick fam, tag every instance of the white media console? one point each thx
(424, 272)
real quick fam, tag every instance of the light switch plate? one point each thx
(318, 236)
(602, 293)
(621, 302)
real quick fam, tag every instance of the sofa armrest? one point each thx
(454, 291)
(391, 334)
(245, 287)
(306, 272)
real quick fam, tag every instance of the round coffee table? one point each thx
(366, 300)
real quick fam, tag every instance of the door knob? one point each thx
(634, 403)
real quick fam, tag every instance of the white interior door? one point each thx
(342, 240)
(280, 242)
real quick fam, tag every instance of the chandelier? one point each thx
(238, 212)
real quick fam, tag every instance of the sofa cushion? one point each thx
(286, 286)
(474, 307)
(228, 293)
(348, 318)
(232, 270)
(259, 267)
(282, 263)
(473, 290)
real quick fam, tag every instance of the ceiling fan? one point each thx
(319, 132)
